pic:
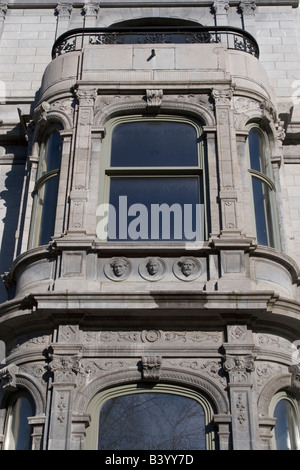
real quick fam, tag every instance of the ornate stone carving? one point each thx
(153, 269)
(223, 96)
(118, 269)
(3, 10)
(295, 371)
(187, 268)
(8, 377)
(220, 7)
(151, 366)
(41, 113)
(239, 368)
(154, 98)
(65, 368)
(91, 9)
(86, 97)
(248, 7)
(64, 10)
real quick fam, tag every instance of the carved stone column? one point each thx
(239, 364)
(81, 174)
(228, 166)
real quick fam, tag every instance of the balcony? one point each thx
(233, 38)
(172, 58)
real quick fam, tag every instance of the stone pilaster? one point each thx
(220, 8)
(247, 8)
(63, 12)
(80, 182)
(239, 364)
(90, 12)
(228, 166)
(65, 366)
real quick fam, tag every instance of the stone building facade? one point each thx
(186, 102)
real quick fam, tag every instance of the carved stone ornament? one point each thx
(220, 7)
(248, 7)
(239, 367)
(295, 371)
(154, 98)
(153, 269)
(187, 269)
(65, 368)
(41, 113)
(151, 367)
(222, 96)
(8, 377)
(64, 9)
(3, 10)
(86, 97)
(91, 9)
(117, 269)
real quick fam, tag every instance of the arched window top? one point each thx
(286, 431)
(259, 151)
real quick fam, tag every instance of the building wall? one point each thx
(71, 330)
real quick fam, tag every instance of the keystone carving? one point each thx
(154, 98)
(151, 367)
(295, 371)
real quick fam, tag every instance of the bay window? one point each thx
(153, 183)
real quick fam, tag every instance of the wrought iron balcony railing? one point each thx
(232, 38)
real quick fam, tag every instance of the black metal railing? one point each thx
(232, 38)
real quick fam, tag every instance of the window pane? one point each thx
(46, 210)
(154, 208)
(152, 421)
(286, 429)
(263, 212)
(154, 144)
(50, 154)
(18, 436)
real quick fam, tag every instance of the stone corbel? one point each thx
(8, 377)
(151, 368)
(3, 10)
(91, 9)
(40, 115)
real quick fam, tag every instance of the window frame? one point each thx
(279, 396)
(94, 408)
(42, 178)
(107, 172)
(267, 180)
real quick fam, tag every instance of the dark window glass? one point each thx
(47, 199)
(156, 208)
(286, 429)
(152, 421)
(262, 207)
(154, 144)
(18, 432)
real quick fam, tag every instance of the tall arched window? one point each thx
(156, 418)
(153, 181)
(263, 189)
(18, 430)
(46, 189)
(286, 431)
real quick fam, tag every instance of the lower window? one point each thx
(286, 430)
(160, 418)
(18, 430)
